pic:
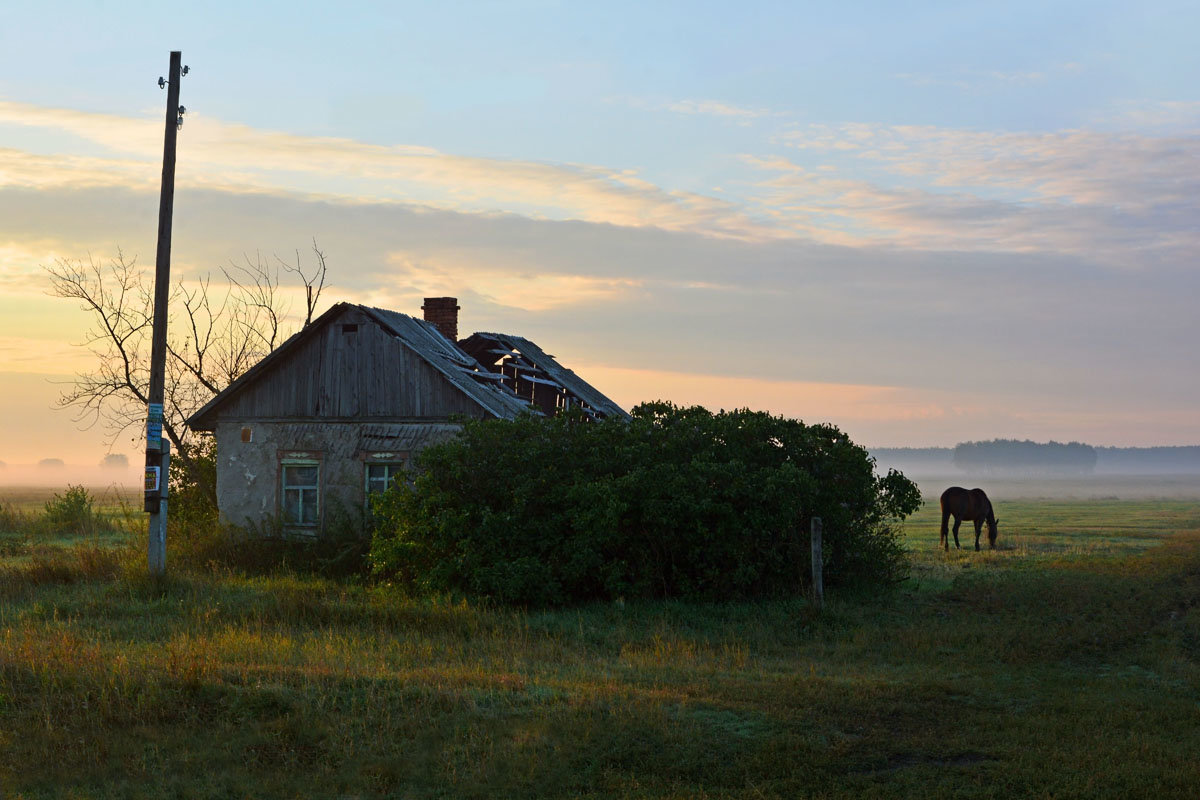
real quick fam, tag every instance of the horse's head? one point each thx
(993, 524)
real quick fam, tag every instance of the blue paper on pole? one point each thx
(154, 420)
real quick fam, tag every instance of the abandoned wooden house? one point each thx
(337, 410)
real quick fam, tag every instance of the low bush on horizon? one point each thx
(677, 502)
(74, 511)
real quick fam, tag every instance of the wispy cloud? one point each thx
(1178, 114)
(38, 171)
(715, 108)
(19, 260)
(1116, 197)
(533, 288)
(976, 80)
(232, 156)
(719, 109)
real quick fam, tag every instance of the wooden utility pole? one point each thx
(157, 448)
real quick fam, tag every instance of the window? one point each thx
(301, 492)
(381, 476)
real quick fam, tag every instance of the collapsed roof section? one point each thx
(533, 375)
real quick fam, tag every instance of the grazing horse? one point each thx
(974, 506)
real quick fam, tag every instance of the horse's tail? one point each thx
(945, 529)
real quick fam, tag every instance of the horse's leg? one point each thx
(978, 528)
(957, 522)
(944, 541)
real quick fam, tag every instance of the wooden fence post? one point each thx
(818, 582)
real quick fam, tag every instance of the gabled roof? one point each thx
(446, 357)
(528, 362)
(423, 338)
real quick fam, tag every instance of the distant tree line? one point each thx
(1013, 455)
(1149, 460)
(1182, 460)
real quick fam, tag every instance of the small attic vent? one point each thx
(349, 329)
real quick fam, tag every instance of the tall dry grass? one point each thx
(1045, 670)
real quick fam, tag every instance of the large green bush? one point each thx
(678, 502)
(192, 500)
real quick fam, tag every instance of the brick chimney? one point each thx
(443, 312)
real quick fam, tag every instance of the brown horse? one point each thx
(974, 506)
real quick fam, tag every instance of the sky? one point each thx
(926, 222)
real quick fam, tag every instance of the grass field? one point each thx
(1065, 663)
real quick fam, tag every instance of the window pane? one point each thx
(380, 477)
(308, 503)
(300, 476)
(291, 505)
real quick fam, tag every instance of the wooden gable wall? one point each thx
(337, 374)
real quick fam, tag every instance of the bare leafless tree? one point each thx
(215, 334)
(313, 284)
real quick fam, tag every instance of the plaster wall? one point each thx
(248, 473)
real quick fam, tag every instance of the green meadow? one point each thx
(1064, 663)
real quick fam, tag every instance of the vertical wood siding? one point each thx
(360, 375)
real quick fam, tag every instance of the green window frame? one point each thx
(300, 492)
(378, 476)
